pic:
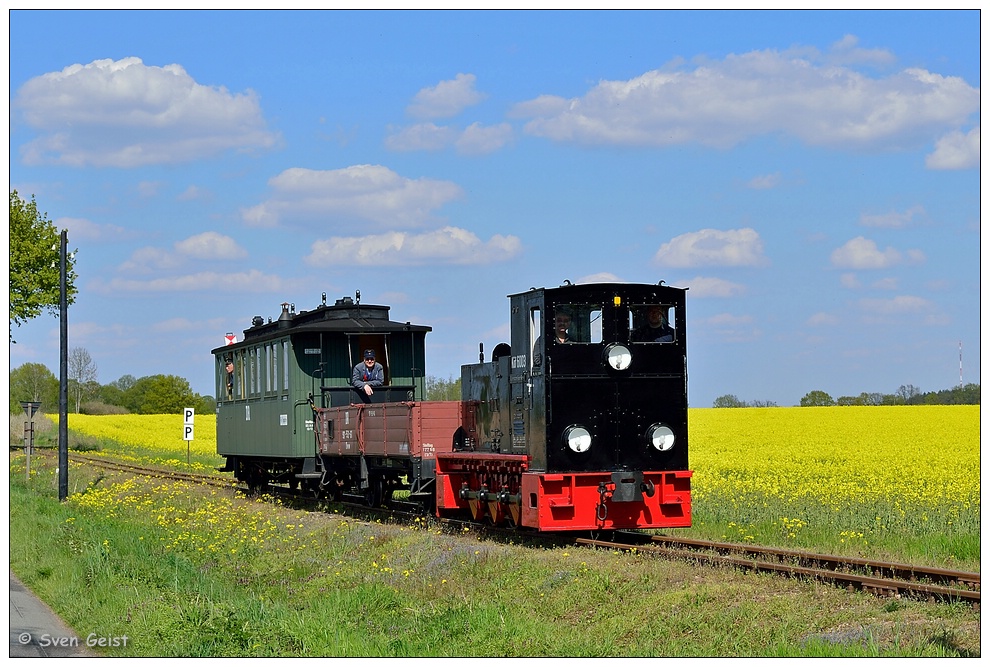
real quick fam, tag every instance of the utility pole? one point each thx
(63, 385)
(960, 365)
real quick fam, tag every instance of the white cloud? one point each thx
(703, 287)
(175, 324)
(713, 247)
(721, 103)
(847, 51)
(450, 245)
(956, 151)
(421, 137)
(764, 182)
(823, 320)
(849, 281)
(193, 193)
(149, 259)
(603, 277)
(732, 328)
(893, 219)
(205, 246)
(913, 308)
(885, 284)
(898, 305)
(210, 245)
(475, 139)
(366, 192)
(863, 253)
(149, 189)
(480, 140)
(446, 99)
(205, 281)
(125, 114)
(84, 229)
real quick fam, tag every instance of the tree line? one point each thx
(152, 394)
(968, 394)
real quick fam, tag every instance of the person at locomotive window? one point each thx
(368, 374)
(656, 329)
(561, 323)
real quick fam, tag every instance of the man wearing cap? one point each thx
(368, 374)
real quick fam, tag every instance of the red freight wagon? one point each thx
(373, 446)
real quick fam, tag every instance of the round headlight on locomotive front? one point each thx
(660, 436)
(618, 356)
(577, 439)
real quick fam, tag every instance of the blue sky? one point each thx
(812, 177)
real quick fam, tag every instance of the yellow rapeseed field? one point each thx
(152, 439)
(860, 469)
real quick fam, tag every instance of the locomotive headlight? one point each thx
(577, 438)
(618, 356)
(660, 436)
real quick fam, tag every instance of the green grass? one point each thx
(191, 571)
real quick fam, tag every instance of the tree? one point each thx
(160, 395)
(908, 394)
(438, 389)
(34, 263)
(816, 398)
(33, 382)
(728, 401)
(82, 375)
(124, 382)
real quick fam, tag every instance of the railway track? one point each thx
(880, 578)
(162, 473)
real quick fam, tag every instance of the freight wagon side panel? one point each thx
(385, 429)
(434, 426)
(390, 429)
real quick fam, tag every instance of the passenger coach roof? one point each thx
(343, 317)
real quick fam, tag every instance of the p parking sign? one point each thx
(189, 421)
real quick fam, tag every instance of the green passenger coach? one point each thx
(268, 383)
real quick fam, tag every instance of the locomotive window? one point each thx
(535, 334)
(581, 321)
(652, 323)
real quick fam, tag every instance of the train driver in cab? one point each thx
(656, 329)
(561, 323)
(368, 374)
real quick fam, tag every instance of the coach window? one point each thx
(240, 389)
(271, 370)
(225, 378)
(285, 365)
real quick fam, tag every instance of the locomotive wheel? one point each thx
(373, 494)
(256, 480)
